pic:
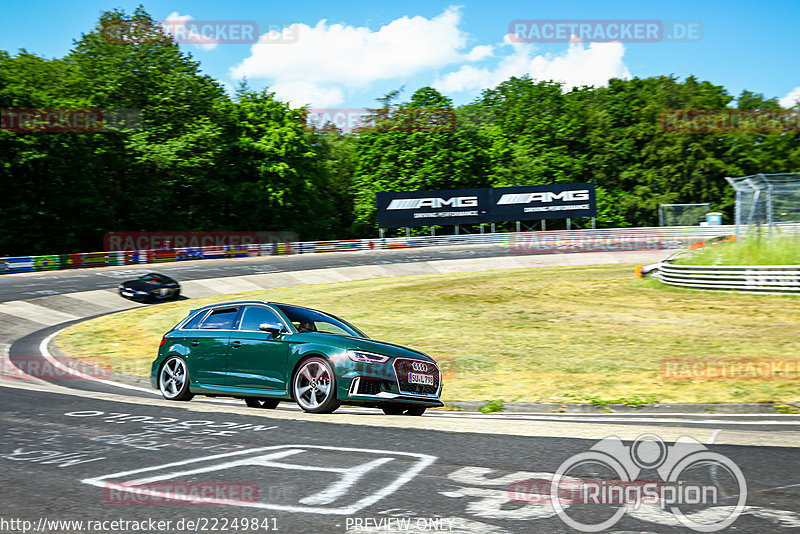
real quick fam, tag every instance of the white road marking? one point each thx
(594, 418)
(43, 350)
(349, 478)
(335, 491)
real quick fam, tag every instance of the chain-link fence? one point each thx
(682, 214)
(766, 199)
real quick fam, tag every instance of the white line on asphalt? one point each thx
(43, 350)
(623, 419)
(594, 418)
(49, 357)
(422, 462)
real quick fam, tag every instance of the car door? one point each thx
(209, 345)
(257, 359)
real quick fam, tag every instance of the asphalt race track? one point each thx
(119, 458)
(39, 284)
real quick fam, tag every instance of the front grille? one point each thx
(369, 387)
(404, 368)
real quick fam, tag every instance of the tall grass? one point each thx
(754, 250)
(551, 334)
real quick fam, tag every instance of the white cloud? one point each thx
(328, 59)
(227, 87)
(791, 98)
(480, 52)
(300, 93)
(578, 65)
(175, 25)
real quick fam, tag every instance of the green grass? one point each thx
(751, 251)
(568, 334)
(491, 406)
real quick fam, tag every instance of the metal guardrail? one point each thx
(545, 242)
(765, 279)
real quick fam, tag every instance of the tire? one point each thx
(314, 386)
(403, 410)
(173, 379)
(393, 410)
(268, 404)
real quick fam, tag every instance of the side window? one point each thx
(194, 322)
(253, 316)
(220, 319)
(330, 328)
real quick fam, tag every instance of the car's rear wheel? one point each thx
(268, 404)
(314, 386)
(403, 410)
(173, 379)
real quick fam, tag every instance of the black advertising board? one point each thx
(432, 208)
(554, 201)
(474, 206)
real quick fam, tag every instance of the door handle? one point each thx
(194, 343)
(236, 344)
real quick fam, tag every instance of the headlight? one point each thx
(366, 357)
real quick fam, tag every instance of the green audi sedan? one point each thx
(265, 353)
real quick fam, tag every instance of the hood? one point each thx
(138, 285)
(367, 345)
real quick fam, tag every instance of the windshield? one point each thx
(306, 320)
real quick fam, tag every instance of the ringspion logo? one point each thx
(705, 491)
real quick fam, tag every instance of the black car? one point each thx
(150, 288)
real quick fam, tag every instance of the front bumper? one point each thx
(359, 387)
(390, 383)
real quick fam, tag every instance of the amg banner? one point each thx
(474, 206)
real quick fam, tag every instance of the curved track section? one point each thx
(80, 445)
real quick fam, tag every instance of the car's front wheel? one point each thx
(314, 386)
(268, 404)
(173, 379)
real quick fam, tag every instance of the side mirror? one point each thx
(272, 328)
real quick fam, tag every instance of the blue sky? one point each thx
(347, 54)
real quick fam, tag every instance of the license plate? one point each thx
(127, 293)
(416, 378)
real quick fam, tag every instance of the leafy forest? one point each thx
(203, 160)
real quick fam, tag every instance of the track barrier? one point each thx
(544, 242)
